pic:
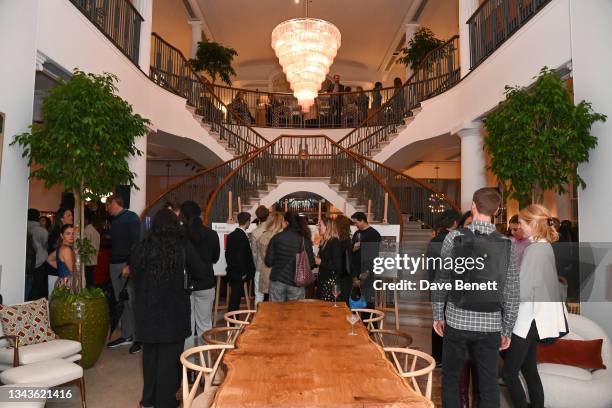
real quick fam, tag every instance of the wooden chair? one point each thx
(391, 338)
(210, 357)
(221, 335)
(372, 318)
(401, 357)
(239, 318)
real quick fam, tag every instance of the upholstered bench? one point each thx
(51, 373)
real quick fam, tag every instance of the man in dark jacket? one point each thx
(336, 100)
(124, 234)
(239, 258)
(206, 244)
(366, 247)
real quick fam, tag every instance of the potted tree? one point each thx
(537, 137)
(87, 134)
(216, 60)
(422, 43)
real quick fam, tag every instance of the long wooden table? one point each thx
(299, 354)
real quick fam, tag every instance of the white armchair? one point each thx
(570, 387)
(13, 356)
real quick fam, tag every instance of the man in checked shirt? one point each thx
(468, 332)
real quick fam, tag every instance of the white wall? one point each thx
(591, 60)
(545, 40)
(68, 38)
(18, 21)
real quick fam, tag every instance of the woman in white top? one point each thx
(541, 312)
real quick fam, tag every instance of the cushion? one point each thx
(565, 371)
(29, 321)
(49, 350)
(578, 353)
(50, 373)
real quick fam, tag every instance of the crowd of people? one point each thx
(471, 327)
(347, 107)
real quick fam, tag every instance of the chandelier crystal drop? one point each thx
(306, 48)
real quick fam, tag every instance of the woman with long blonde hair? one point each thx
(274, 224)
(330, 260)
(541, 315)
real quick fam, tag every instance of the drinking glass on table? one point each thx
(336, 290)
(352, 319)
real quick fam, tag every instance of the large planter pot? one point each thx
(94, 318)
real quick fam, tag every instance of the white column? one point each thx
(591, 28)
(196, 36)
(145, 8)
(18, 27)
(466, 9)
(410, 30)
(473, 162)
(138, 165)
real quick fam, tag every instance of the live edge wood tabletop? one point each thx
(299, 354)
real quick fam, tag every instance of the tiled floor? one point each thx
(116, 380)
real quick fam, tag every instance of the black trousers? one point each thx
(39, 282)
(483, 349)
(161, 369)
(89, 275)
(237, 292)
(521, 356)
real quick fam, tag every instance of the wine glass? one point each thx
(352, 319)
(336, 290)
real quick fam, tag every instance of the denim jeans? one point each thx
(483, 349)
(281, 292)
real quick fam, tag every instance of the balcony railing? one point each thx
(281, 109)
(495, 21)
(118, 20)
(171, 70)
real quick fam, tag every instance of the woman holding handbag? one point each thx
(331, 260)
(542, 314)
(282, 254)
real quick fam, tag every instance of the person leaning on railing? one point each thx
(240, 106)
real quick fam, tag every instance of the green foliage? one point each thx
(86, 293)
(423, 42)
(216, 60)
(85, 250)
(87, 135)
(537, 137)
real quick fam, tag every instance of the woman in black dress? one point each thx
(331, 260)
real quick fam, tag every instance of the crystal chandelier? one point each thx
(306, 48)
(437, 201)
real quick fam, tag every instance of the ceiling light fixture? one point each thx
(306, 48)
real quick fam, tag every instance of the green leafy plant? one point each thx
(538, 137)
(422, 43)
(87, 134)
(216, 60)
(85, 250)
(70, 297)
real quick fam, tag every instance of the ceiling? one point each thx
(369, 34)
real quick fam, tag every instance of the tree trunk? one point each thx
(77, 276)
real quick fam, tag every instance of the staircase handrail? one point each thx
(412, 80)
(258, 137)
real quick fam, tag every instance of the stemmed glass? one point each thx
(352, 319)
(336, 290)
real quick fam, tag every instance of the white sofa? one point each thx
(572, 387)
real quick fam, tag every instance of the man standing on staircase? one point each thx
(366, 247)
(476, 323)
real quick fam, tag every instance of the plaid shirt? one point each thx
(462, 319)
